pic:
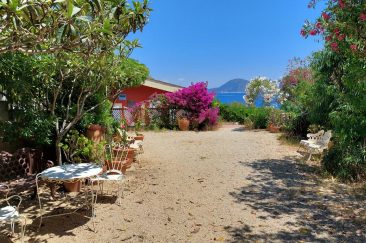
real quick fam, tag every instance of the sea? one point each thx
(228, 98)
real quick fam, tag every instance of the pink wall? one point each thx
(138, 94)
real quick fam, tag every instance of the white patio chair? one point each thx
(320, 145)
(114, 158)
(10, 214)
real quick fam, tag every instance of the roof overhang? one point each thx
(156, 84)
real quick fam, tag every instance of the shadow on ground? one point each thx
(284, 189)
(55, 226)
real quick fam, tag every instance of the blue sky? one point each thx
(215, 41)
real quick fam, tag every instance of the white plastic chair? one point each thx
(10, 214)
(115, 157)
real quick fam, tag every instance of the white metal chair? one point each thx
(115, 157)
(10, 214)
(320, 145)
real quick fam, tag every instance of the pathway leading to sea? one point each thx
(229, 185)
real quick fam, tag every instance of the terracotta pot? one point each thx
(120, 165)
(73, 186)
(130, 152)
(273, 128)
(139, 137)
(95, 133)
(183, 124)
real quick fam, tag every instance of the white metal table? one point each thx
(69, 173)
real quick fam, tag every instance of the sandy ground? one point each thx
(229, 185)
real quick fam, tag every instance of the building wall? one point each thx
(137, 94)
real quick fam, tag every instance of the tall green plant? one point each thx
(339, 94)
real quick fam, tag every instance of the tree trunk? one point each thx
(58, 150)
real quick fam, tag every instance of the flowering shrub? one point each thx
(197, 100)
(337, 100)
(261, 86)
(209, 116)
(296, 84)
(342, 25)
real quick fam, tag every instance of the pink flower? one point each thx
(353, 47)
(334, 46)
(303, 32)
(325, 16)
(313, 32)
(362, 17)
(341, 4)
(341, 37)
(328, 38)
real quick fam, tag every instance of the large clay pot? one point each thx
(183, 124)
(95, 133)
(73, 186)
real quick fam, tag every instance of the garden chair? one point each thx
(312, 138)
(320, 145)
(10, 214)
(114, 159)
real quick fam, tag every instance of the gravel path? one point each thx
(228, 185)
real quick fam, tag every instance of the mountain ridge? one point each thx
(232, 86)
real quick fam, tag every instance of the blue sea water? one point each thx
(228, 98)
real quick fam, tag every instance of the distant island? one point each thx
(233, 86)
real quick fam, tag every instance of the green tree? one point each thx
(339, 92)
(75, 43)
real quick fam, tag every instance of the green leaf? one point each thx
(85, 18)
(71, 9)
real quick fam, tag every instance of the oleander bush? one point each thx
(337, 99)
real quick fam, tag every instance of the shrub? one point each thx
(259, 117)
(236, 112)
(79, 149)
(346, 161)
(209, 118)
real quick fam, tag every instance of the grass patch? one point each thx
(289, 140)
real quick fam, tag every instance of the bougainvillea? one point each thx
(197, 100)
(209, 116)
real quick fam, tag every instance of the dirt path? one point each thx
(229, 185)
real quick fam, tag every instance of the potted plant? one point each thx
(95, 132)
(183, 121)
(72, 186)
(275, 121)
(79, 149)
(138, 128)
(121, 161)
